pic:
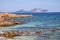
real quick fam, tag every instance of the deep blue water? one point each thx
(50, 19)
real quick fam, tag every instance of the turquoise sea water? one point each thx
(40, 21)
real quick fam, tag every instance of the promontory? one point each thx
(7, 19)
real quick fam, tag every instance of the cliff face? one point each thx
(7, 19)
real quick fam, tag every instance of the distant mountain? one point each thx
(38, 10)
(21, 10)
(33, 10)
(0, 12)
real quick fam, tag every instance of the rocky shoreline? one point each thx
(7, 19)
(5, 24)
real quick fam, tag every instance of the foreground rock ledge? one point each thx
(7, 19)
(12, 34)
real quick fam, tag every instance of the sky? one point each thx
(15, 5)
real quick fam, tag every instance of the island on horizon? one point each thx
(33, 10)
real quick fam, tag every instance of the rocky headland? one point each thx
(7, 19)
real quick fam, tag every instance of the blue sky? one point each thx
(15, 5)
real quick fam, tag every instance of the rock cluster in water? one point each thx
(12, 34)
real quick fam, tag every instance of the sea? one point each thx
(45, 21)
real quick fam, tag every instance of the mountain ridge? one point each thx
(33, 10)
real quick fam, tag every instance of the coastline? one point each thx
(7, 19)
